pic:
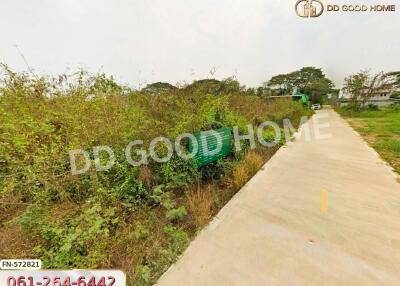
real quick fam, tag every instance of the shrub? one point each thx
(372, 107)
(131, 190)
(77, 242)
(176, 214)
(177, 173)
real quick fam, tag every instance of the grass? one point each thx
(381, 129)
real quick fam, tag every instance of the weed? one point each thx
(176, 214)
(200, 202)
(240, 175)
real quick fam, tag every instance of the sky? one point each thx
(177, 41)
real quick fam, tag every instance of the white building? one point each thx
(379, 97)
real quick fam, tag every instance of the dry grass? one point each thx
(357, 123)
(200, 202)
(14, 243)
(10, 203)
(146, 176)
(240, 175)
(251, 164)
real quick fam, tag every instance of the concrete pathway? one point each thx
(320, 212)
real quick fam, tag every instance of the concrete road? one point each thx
(320, 212)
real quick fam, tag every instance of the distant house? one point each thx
(379, 97)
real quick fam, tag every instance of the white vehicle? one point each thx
(316, 106)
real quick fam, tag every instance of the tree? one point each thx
(158, 87)
(260, 91)
(309, 80)
(215, 87)
(280, 82)
(362, 86)
(319, 88)
(394, 78)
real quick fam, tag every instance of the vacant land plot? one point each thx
(134, 218)
(381, 129)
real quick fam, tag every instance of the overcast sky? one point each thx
(181, 40)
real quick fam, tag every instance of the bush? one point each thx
(395, 94)
(73, 242)
(177, 173)
(176, 214)
(372, 107)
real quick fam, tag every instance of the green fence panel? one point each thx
(207, 146)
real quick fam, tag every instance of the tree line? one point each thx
(309, 80)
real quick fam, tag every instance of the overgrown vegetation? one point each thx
(138, 219)
(380, 128)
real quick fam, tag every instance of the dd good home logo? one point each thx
(309, 8)
(315, 8)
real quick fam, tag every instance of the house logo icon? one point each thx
(309, 8)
